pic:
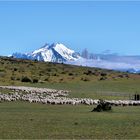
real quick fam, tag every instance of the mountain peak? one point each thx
(53, 45)
(56, 52)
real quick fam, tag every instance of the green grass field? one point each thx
(38, 121)
(120, 89)
(24, 120)
(82, 81)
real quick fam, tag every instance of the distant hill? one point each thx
(16, 71)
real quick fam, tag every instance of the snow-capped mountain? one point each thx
(59, 53)
(55, 52)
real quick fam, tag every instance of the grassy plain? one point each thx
(81, 81)
(24, 120)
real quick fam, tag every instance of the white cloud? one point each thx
(107, 64)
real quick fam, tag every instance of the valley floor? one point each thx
(36, 121)
(24, 120)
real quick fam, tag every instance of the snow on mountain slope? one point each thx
(58, 52)
(55, 52)
(65, 52)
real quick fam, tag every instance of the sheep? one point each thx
(51, 96)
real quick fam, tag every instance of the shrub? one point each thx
(63, 72)
(102, 106)
(103, 78)
(103, 74)
(54, 74)
(25, 79)
(123, 76)
(126, 75)
(71, 74)
(46, 79)
(72, 77)
(84, 79)
(61, 79)
(89, 72)
(40, 74)
(35, 80)
(15, 69)
(2, 70)
(120, 76)
(18, 79)
(48, 74)
(13, 78)
(49, 69)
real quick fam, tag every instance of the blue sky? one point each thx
(97, 26)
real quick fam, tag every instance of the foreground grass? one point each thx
(24, 120)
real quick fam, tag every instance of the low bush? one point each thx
(63, 72)
(103, 74)
(26, 79)
(46, 79)
(35, 80)
(13, 78)
(85, 79)
(103, 78)
(102, 106)
(71, 74)
(15, 69)
(89, 72)
(54, 74)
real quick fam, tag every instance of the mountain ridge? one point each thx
(55, 52)
(59, 53)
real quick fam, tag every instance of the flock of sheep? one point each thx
(51, 96)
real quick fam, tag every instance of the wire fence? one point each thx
(121, 95)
